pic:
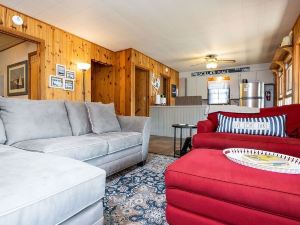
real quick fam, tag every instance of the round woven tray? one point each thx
(284, 164)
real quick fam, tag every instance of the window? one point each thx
(289, 79)
(280, 84)
(288, 100)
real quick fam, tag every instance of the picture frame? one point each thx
(70, 74)
(17, 79)
(174, 90)
(69, 84)
(56, 81)
(60, 70)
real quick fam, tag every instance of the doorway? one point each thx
(141, 92)
(102, 82)
(164, 88)
(20, 66)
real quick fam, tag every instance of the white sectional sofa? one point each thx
(49, 158)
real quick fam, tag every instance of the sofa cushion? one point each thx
(289, 146)
(235, 191)
(77, 147)
(33, 119)
(2, 132)
(45, 189)
(118, 141)
(78, 117)
(103, 117)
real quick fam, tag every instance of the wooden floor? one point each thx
(162, 145)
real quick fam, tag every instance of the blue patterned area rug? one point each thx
(137, 195)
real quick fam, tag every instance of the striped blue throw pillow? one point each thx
(268, 126)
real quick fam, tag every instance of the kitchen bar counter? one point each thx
(162, 118)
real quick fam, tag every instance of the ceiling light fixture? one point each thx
(211, 65)
(17, 20)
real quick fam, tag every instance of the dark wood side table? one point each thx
(181, 126)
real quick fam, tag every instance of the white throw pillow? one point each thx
(102, 117)
(268, 126)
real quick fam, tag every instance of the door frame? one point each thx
(40, 54)
(30, 54)
(148, 85)
(168, 87)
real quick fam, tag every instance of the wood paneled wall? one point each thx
(296, 62)
(102, 84)
(126, 62)
(57, 46)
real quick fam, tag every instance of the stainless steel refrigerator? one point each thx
(252, 94)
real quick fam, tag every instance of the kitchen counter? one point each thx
(162, 118)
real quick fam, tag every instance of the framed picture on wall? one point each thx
(60, 70)
(70, 74)
(69, 85)
(17, 79)
(174, 90)
(56, 81)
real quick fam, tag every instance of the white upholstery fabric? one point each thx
(118, 141)
(118, 161)
(102, 117)
(89, 216)
(45, 189)
(77, 147)
(32, 119)
(2, 132)
(78, 117)
(139, 124)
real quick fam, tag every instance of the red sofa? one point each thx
(205, 188)
(207, 137)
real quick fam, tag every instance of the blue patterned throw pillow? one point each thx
(268, 126)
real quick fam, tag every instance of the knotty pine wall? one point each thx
(60, 47)
(296, 62)
(102, 83)
(125, 63)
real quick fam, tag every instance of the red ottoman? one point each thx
(204, 187)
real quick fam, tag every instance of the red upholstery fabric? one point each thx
(288, 146)
(205, 126)
(205, 186)
(292, 121)
(177, 216)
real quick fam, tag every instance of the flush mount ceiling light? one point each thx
(17, 20)
(83, 66)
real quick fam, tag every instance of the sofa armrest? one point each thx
(138, 124)
(205, 126)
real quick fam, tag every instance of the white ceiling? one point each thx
(7, 41)
(174, 31)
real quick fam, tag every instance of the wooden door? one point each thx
(141, 92)
(33, 75)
